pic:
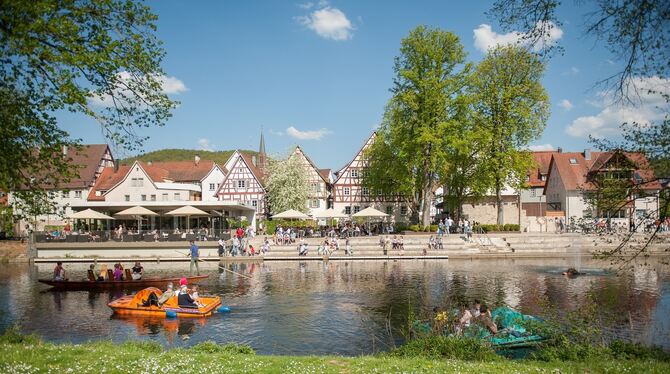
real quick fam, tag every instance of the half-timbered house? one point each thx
(350, 196)
(319, 184)
(244, 181)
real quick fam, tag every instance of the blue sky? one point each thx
(318, 74)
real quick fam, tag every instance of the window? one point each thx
(357, 209)
(241, 184)
(177, 196)
(316, 187)
(126, 197)
(153, 197)
(164, 197)
(389, 209)
(65, 194)
(347, 191)
(52, 195)
(77, 194)
(403, 210)
(254, 203)
(212, 186)
(347, 210)
(218, 185)
(354, 173)
(573, 161)
(136, 182)
(314, 203)
(543, 177)
(533, 192)
(366, 191)
(143, 197)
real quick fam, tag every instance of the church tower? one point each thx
(262, 161)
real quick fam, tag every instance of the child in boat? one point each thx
(195, 296)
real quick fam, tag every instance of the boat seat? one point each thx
(110, 274)
(128, 275)
(91, 276)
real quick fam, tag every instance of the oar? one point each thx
(220, 266)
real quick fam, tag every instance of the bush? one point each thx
(213, 347)
(415, 228)
(496, 228)
(448, 348)
(13, 336)
(635, 351)
(271, 225)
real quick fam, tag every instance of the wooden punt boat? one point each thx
(134, 305)
(89, 285)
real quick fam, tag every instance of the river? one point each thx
(342, 307)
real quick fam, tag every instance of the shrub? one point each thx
(635, 351)
(14, 336)
(213, 347)
(415, 228)
(448, 348)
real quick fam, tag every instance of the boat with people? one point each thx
(141, 304)
(128, 283)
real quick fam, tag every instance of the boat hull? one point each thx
(86, 285)
(132, 306)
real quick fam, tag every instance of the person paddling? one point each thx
(195, 257)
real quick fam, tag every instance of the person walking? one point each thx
(222, 247)
(195, 257)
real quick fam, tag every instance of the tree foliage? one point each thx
(511, 108)
(99, 58)
(287, 185)
(220, 157)
(430, 73)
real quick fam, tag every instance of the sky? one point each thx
(318, 73)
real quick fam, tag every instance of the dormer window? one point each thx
(527, 178)
(573, 161)
(543, 177)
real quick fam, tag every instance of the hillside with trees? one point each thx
(220, 157)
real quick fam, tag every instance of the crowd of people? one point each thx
(102, 273)
(477, 313)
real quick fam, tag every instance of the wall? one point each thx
(215, 176)
(485, 210)
(119, 192)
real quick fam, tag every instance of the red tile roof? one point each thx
(86, 161)
(542, 161)
(325, 174)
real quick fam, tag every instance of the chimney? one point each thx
(587, 154)
(65, 150)
(116, 165)
(196, 159)
(149, 163)
(253, 160)
(559, 150)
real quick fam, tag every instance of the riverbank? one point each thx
(27, 354)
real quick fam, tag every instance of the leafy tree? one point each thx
(511, 107)
(99, 58)
(287, 185)
(636, 33)
(220, 157)
(419, 119)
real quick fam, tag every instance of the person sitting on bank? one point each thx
(59, 272)
(138, 271)
(166, 295)
(484, 319)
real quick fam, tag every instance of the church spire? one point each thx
(261, 148)
(262, 165)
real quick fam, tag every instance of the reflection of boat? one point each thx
(112, 284)
(134, 305)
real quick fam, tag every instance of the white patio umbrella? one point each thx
(187, 211)
(330, 214)
(137, 211)
(291, 214)
(370, 212)
(89, 214)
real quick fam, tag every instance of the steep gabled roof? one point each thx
(179, 171)
(325, 174)
(542, 161)
(255, 170)
(338, 174)
(233, 164)
(86, 161)
(311, 163)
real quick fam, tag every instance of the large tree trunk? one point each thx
(426, 202)
(499, 203)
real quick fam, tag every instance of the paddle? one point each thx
(220, 266)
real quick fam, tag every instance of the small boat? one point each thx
(91, 285)
(513, 330)
(135, 305)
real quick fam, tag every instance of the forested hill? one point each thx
(220, 157)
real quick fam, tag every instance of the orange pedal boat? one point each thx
(134, 305)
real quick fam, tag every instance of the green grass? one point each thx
(28, 354)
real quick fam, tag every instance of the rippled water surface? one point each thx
(341, 307)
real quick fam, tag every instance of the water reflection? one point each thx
(342, 307)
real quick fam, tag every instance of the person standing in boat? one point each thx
(138, 271)
(59, 271)
(195, 257)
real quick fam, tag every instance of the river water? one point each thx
(342, 307)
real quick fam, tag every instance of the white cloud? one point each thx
(204, 144)
(307, 135)
(541, 147)
(306, 6)
(328, 23)
(649, 107)
(486, 38)
(169, 86)
(566, 104)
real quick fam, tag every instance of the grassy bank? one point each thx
(28, 354)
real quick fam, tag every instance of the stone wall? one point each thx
(485, 210)
(11, 250)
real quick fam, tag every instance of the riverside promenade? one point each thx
(494, 245)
